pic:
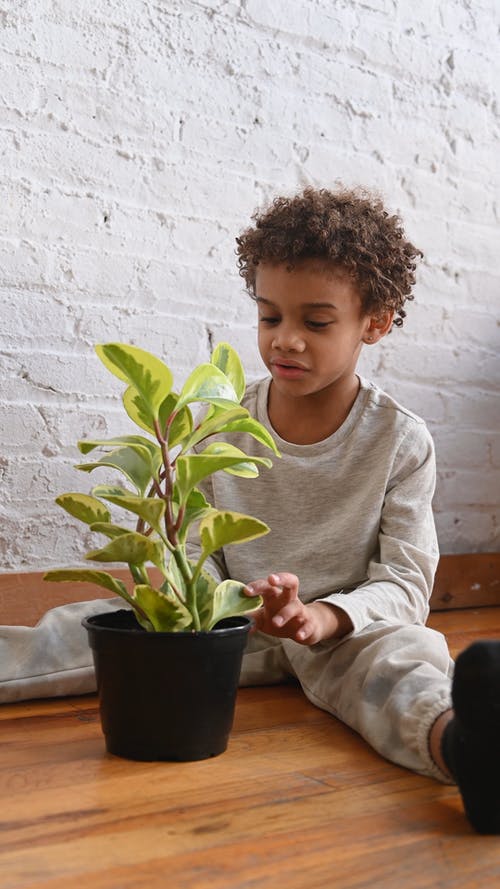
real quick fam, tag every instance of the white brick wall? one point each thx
(136, 139)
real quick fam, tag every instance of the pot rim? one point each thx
(92, 623)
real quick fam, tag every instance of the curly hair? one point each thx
(349, 228)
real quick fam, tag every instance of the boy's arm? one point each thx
(400, 574)
(53, 658)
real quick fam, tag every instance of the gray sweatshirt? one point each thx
(351, 516)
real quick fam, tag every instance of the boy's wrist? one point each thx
(334, 621)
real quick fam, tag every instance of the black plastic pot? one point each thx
(166, 696)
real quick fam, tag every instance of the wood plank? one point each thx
(461, 626)
(298, 800)
(469, 580)
(25, 596)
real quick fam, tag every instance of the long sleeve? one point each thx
(401, 570)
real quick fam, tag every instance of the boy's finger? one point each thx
(255, 588)
(275, 580)
(263, 588)
(292, 611)
(303, 634)
(284, 580)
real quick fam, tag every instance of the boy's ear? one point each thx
(378, 326)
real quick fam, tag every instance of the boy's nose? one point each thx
(288, 340)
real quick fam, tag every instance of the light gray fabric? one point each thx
(53, 658)
(387, 682)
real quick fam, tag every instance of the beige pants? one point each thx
(389, 683)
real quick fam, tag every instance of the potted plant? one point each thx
(168, 667)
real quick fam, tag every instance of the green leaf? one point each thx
(175, 577)
(109, 530)
(133, 548)
(150, 509)
(213, 423)
(228, 599)
(227, 360)
(208, 383)
(222, 528)
(84, 507)
(147, 374)
(205, 588)
(191, 470)
(182, 425)
(164, 610)
(254, 428)
(138, 410)
(83, 575)
(246, 468)
(243, 470)
(135, 465)
(86, 445)
(139, 413)
(195, 508)
(99, 578)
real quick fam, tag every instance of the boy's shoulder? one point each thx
(381, 401)
(391, 427)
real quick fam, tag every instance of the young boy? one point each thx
(349, 503)
(347, 570)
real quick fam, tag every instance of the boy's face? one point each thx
(311, 326)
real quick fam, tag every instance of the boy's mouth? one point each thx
(288, 369)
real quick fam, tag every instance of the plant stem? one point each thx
(191, 602)
(180, 518)
(171, 527)
(175, 590)
(139, 573)
(140, 526)
(167, 494)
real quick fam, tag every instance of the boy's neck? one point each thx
(312, 418)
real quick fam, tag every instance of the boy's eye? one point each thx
(312, 325)
(317, 325)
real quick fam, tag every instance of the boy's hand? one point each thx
(284, 615)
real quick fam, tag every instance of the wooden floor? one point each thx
(297, 801)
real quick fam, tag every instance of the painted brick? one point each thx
(134, 149)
